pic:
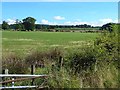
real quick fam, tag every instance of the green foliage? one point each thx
(5, 25)
(40, 58)
(86, 66)
(107, 44)
(63, 79)
(29, 23)
(107, 49)
(82, 59)
(107, 27)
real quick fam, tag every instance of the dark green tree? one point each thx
(108, 27)
(18, 26)
(29, 23)
(5, 25)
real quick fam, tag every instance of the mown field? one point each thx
(24, 42)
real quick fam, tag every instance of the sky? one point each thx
(62, 13)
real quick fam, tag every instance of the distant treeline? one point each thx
(58, 27)
(28, 24)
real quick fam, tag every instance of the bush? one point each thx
(107, 46)
(41, 58)
(82, 59)
(14, 64)
(56, 57)
(35, 58)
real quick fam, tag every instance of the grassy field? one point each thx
(96, 67)
(24, 42)
(81, 61)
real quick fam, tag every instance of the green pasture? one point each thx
(24, 42)
(77, 29)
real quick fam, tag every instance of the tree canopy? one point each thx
(5, 25)
(29, 23)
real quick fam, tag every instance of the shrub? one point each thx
(107, 48)
(82, 59)
(35, 58)
(41, 58)
(107, 45)
(14, 64)
(56, 56)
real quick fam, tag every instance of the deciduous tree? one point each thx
(29, 23)
(5, 25)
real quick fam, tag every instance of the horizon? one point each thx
(62, 13)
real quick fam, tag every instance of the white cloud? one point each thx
(36, 22)
(11, 21)
(93, 23)
(43, 21)
(0, 22)
(106, 20)
(99, 22)
(75, 23)
(116, 21)
(59, 18)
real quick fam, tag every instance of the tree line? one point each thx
(28, 24)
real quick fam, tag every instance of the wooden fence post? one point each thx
(32, 72)
(4, 71)
(60, 62)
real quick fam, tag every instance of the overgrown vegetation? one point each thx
(14, 64)
(83, 67)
